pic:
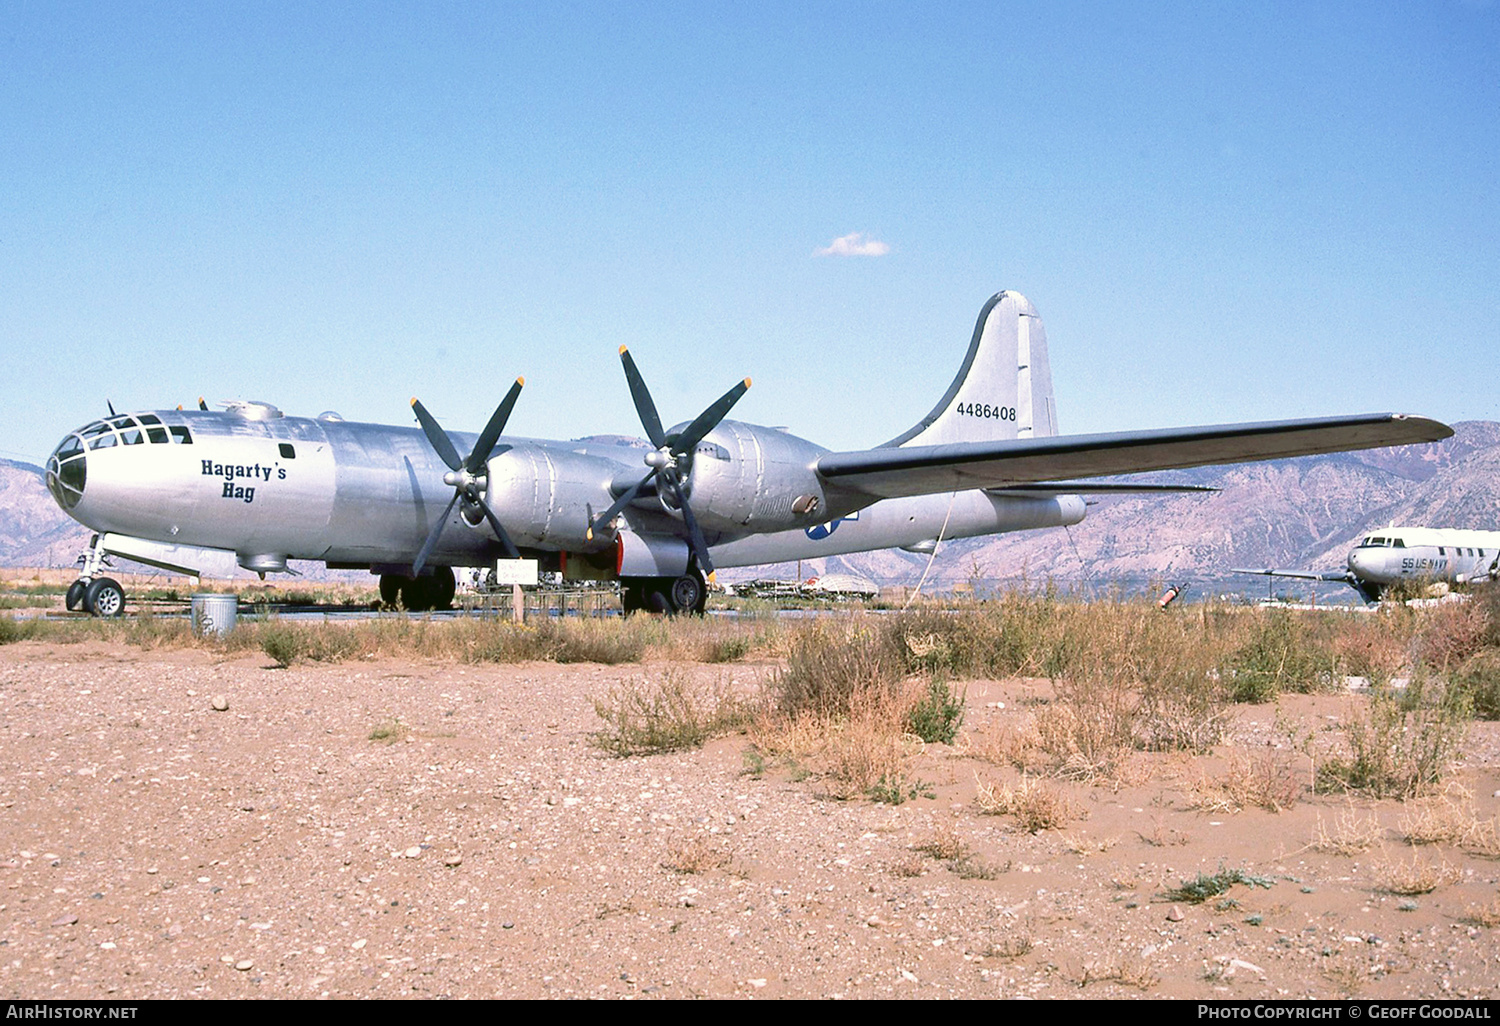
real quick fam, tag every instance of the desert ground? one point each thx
(393, 828)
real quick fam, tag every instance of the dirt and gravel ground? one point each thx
(302, 844)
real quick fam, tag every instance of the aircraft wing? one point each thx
(1339, 576)
(888, 473)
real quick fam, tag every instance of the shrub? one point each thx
(283, 642)
(1401, 747)
(1279, 656)
(831, 663)
(936, 717)
(1478, 680)
(666, 714)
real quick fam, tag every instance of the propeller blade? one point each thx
(202, 405)
(706, 421)
(695, 535)
(111, 407)
(437, 436)
(433, 536)
(510, 548)
(644, 407)
(624, 500)
(492, 431)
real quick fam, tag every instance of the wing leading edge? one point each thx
(889, 473)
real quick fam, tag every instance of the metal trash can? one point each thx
(214, 614)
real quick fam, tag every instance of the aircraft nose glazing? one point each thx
(67, 472)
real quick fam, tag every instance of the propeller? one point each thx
(673, 456)
(468, 475)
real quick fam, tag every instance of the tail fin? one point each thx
(1004, 388)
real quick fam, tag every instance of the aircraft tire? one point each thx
(390, 589)
(104, 597)
(416, 594)
(658, 599)
(689, 594)
(443, 587)
(74, 598)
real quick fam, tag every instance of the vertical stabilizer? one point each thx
(1004, 388)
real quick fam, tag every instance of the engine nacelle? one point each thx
(747, 478)
(542, 495)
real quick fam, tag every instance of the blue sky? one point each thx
(1224, 211)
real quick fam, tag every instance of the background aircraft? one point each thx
(658, 515)
(1414, 554)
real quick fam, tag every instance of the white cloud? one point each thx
(853, 244)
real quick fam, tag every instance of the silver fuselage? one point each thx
(1398, 554)
(269, 487)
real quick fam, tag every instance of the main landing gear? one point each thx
(667, 595)
(99, 596)
(419, 594)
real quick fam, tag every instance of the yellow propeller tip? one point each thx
(414, 400)
(589, 534)
(747, 382)
(713, 579)
(520, 380)
(622, 350)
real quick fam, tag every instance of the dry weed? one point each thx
(1353, 833)
(1128, 971)
(1036, 805)
(1261, 781)
(945, 845)
(1447, 819)
(1161, 835)
(1013, 945)
(695, 855)
(910, 865)
(1417, 876)
(1487, 916)
(1077, 844)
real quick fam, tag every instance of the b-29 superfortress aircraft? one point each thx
(657, 515)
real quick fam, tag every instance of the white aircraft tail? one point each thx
(1004, 388)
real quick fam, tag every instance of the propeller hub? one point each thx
(658, 458)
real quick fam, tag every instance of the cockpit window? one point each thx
(103, 442)
(71, 446)
(1397, 543)
(132, 436)
(180, 434)
(149, 418)
(96, 428)
(123, 422)
(157, 435)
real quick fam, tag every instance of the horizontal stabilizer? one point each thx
(924, 470)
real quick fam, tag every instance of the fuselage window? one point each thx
(1398, 543)
(1442, 551)
(288, 451)
(181, 434)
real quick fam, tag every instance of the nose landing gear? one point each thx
(96, 595)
